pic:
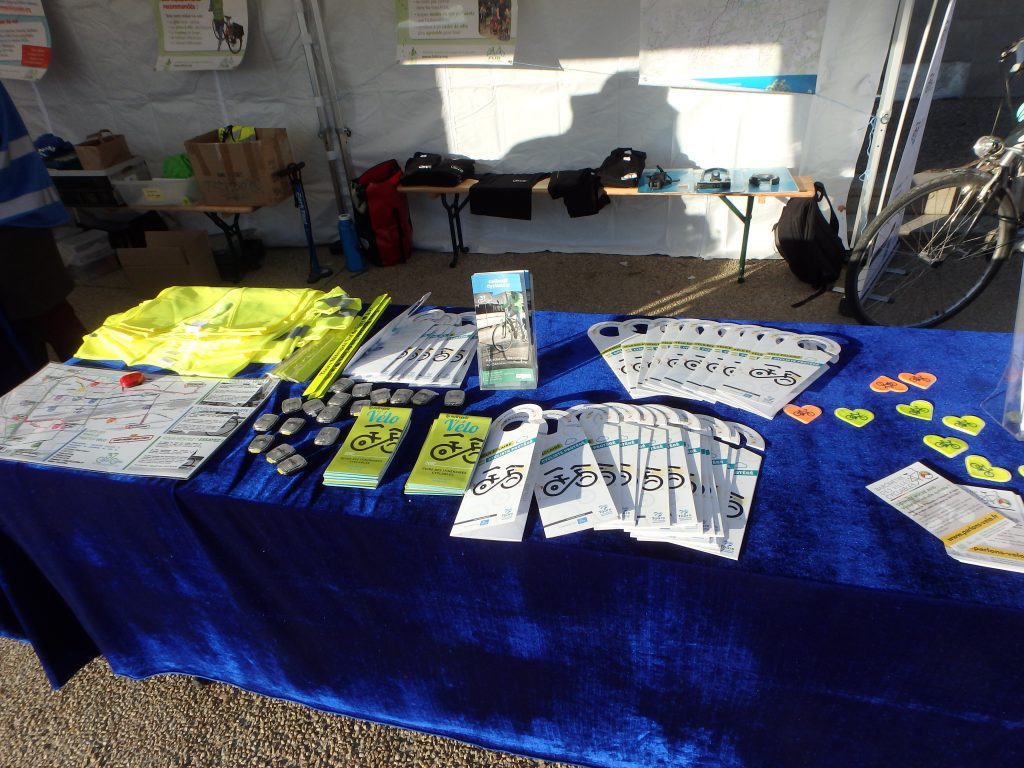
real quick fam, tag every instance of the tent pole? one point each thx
(328, 133)
(883, 113)
(341, 132)
(906, 106)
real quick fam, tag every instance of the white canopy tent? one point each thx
(571, 98)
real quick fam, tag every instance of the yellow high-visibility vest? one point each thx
(215, 331)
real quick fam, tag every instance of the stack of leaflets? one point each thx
(673, 476)
(751, 367)
(977, 525)
(418, 348)
(364, 458)
(498, 500)
(657, 473)
(507, 356)
(449, 455)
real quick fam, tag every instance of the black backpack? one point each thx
(809, 242)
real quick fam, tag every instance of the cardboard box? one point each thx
(102, 150)
(241, 173)
(177, 257)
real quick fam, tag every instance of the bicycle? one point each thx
(933, 250)
(509, 330)
(230, 32)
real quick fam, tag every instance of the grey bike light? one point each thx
(987, 145)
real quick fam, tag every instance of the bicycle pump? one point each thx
(294, 173)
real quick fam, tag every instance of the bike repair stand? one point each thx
(294, 173)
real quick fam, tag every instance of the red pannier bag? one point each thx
(382, 215)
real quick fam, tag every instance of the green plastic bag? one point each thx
(177, 167)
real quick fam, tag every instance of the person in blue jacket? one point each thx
(34, 284)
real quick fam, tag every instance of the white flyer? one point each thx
(601, 425)
(498, 500)
(570, 490)
(1004, 550)
(81, 417)
(960, 519)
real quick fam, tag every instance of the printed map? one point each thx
(769, 45)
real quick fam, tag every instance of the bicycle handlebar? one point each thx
(1016, 47)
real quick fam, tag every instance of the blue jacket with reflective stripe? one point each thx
(27, 195)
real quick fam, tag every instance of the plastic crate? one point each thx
(157, 192)
(95, 188)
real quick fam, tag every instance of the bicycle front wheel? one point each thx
(930, 252)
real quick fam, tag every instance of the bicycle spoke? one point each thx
(930, 252)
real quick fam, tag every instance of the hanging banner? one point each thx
(24, 40)
(200, 34)
(770, 45)
(450, 32)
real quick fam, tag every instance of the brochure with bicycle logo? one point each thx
(506, 346)
(371, 444)
(498, 500)
(449, 455)
(571, 490)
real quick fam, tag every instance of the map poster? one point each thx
(200, 34)
(770, 46)
(82, 418)
(452, 32)
(24, 40)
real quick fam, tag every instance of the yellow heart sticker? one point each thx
(981, 468)
(858, 417)
(1020, 470)
(885, 384)
(920, 380)
(947, 446)
(917, 409)
(805, 414)
(972, 425)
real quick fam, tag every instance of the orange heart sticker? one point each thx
(885, 384)
(805, 414)
(920, 380)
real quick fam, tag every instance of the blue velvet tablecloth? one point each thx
(843, 636)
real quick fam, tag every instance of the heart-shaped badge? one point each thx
(917, 409)
(947, 446)
(920, 380)
(858, 417)
(981, 468)
(885, 384)
(972, 425)
(805, 414)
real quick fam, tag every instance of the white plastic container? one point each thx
(87, 254)
(154, 193)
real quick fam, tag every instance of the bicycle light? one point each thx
(987, 145)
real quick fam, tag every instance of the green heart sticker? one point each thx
(947, 446)
(918, 409)
(981, 468)
(972, 425)
(858, 417)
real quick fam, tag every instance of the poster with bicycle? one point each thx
(506, 346)
(200, 34)
(447, 32)
(24, 40)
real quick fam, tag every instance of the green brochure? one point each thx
(449, 455)
(371, 443)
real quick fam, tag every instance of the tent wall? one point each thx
(572, 97)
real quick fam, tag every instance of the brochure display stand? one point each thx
(1006, 404)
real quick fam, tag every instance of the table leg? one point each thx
(454, 210)
(745, 218)
(233, 234)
